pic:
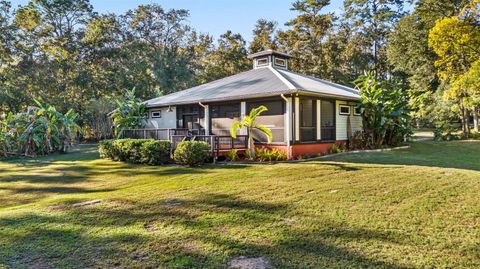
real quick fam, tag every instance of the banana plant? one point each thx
(39, 131)
(130, 113)
(385, 111)
(248, 122)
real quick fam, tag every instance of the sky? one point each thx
(214, 16)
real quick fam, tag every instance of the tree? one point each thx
(249, 123)
(228, 58)
(264, 37)
(456, 41)
(306, 40)
(469, 84)
(374, 19)
(408, 52)
(156, 42)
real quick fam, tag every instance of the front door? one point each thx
(190, 122)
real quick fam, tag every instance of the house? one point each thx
(307, 115)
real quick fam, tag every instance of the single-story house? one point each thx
(306, 115)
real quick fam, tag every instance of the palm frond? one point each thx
(235, 126)
(265, 131)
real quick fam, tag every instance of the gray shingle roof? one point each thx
(261, 82)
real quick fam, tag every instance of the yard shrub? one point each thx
(146, 151)
(155, 152)
(269, 155)
(337, 148)
(192, 153)
(232, 155)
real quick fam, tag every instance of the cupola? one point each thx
(271, 58)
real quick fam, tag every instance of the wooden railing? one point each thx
(217, 143)
(158, 134)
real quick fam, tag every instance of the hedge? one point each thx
(192, 153)
(146, 151)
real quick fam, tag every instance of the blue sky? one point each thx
(215, 16)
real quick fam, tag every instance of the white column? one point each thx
(288, 121)
(297, 119)
(319, 122)
(207, 120)
(243, 113)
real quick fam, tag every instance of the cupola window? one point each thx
(280, 62)
(262, 61)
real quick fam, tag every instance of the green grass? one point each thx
(412, 208)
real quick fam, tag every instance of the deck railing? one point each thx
(158, 134)
(218, 143)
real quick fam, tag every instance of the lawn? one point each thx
(411, 208)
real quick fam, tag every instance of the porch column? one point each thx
(319, 122)
(243, 112)
(297, 119)
(207, 119)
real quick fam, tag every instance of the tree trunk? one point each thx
(251, 145)
(475, 120)
(464, 119)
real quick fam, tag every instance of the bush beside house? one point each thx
(146, 151)
(191, 153)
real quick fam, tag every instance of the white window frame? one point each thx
(282, 64)
(156, 111)
(343, 113)
(262, 59)
(355, 111)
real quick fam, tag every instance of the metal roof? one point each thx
(260, 82)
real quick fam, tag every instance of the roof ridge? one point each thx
(347, 88)
(282, 78)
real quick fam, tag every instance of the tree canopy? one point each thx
(63, 53)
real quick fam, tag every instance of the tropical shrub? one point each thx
(357, 141)
(39, 131)
(337, 149)
(192, 153)
(129, 114)
(146, 151)
(269, 155)
(385, 112)
(232, 155)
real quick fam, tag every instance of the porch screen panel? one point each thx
(308, 120)
(273, 119)
(223, 116)
(328, 120)
(190, 117)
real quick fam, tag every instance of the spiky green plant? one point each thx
(248, 122)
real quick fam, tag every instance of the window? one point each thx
(344, 110)
(157, 114)
(280, 62)
(262, 61)
(357, 111)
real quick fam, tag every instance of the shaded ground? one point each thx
(401, 209)
(423, 135)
